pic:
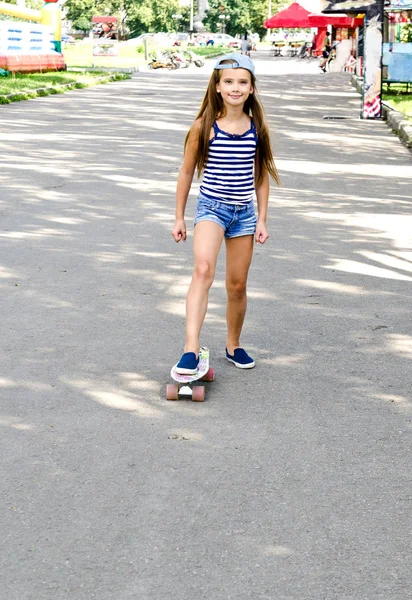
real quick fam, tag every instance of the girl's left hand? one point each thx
(261, 234)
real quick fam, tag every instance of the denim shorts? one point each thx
(235, 219)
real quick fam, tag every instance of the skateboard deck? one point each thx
(186, 387)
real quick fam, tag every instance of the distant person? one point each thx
(327, 47)
(255, 39)
(244, 45)
(327, 44)
(221, 143)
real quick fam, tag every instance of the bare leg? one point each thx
(208, 238)
(239, 252)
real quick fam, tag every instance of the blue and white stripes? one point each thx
(229, 173)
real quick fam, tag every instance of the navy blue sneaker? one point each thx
(188, 364)
(241, 359)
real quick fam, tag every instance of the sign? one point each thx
(105, 42)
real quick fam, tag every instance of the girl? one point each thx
(229, 143)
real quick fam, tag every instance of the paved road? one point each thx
(293, 481)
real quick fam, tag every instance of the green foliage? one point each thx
(240, 16)
(135, 16)
(36, 4)
(406, 33)
(141, 16)
(80, 13)
(156, 15)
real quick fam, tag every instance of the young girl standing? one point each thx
(229, 142)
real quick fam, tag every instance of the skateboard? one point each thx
(184, 387)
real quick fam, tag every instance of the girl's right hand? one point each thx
(179, 231)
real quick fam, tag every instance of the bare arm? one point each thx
(262, 195)
(184, 182)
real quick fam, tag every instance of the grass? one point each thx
(26, 86)
(212, 50)
(398, 99)
(129, 55)
(81, 55)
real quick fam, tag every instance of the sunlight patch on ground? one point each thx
(180, 287)
(8, 273)
(358, 268)
(330, 138)
(156, 124)
(30, 385)
(39, 168)
(40, 233)
(388, 260)
(401, 344)
(277, 551)
(48, 301)
(299, 197)
(285, 361)
(14, 423)
(262, 295)
(161, 278)
(6, 383)
(176, 308)
(144, 185)
(117, 398)
(400, 400)
(134, 381)
(28, 137)
(63, 220)
(318, 168)
(154, 254)
(337, 94)
(110, 257)
(288, 257)
(397, 228)
(331, 286)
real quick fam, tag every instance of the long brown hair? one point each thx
(213, 107)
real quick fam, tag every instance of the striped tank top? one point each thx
(229, 172)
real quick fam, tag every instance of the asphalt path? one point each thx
(293, 480)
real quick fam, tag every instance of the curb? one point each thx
(126, 70)
(51, 90)
(395, 120)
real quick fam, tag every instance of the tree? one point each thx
(80, 13)
(406, 32)
(239, 16)
(135, 16)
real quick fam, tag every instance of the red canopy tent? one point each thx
(295, 16)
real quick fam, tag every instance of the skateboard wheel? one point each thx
(210, 375)
(172, 391)
(198, 393)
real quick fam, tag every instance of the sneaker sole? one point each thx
(186, 371)
(239, 365)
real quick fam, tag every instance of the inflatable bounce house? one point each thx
(34, 44)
